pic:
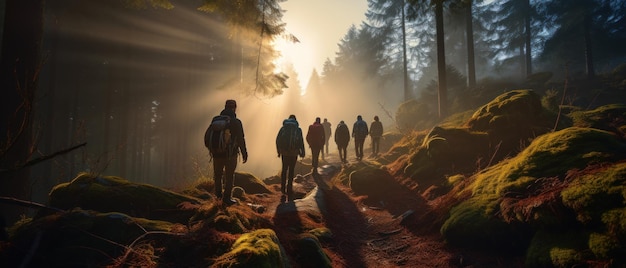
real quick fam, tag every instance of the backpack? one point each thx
(360, 129)
(217, 137)
(289, 139)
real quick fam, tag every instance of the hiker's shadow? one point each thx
(344, 220)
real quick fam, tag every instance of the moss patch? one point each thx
(259, 248)
(115, 194)
(79, 238)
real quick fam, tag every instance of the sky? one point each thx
(319, 25)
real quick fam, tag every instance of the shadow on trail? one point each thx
(345, 221)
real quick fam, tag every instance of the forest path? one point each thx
(390, 232)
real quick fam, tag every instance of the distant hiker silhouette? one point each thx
(315, 137)
(359, 132)
(327, 133)
(342, 139)
(289, 145)
(225, 140)
(376, 132)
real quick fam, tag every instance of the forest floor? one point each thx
(394, 232)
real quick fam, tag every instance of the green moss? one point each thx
(260, 248)
(250, 183)
(512, 108)
(548, 156)
(310, 252)
(80, 238)
(323, 234)
(594, 193)
(605, 246)
(608, 117)
(114, 194)
(557, 248)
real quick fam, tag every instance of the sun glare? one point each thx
(297, 54)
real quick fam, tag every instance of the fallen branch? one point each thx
(43, 158)
(24, 203)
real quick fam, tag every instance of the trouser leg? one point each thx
(229, 177)
(218, 173)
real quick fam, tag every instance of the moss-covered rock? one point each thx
(608, 117)
(369, 180)
(260, 248)
(573, 178)
(115, 194)
(512, 120)
(447, 151)
(77, 238)
(557, 248)
(250, 183)
(310, 252)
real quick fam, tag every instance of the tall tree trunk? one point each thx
(522, 61)
(469, 31)
(441, 61)
(591, 72)
(527, 39)
(405, 69)
(19, 66)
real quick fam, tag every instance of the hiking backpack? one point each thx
(360, 129)
(217, 137)
(288, 140)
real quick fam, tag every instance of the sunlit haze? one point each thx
(319, 25)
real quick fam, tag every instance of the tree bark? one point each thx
(469, 31)
(591, 72)
(19, 66)
(441, 61)
(407, 91)
(527, 39)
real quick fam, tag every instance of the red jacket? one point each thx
(316, 137)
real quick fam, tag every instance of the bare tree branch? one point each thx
(43, 158)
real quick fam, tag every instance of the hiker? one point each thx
(376, 131)
(359, 133)
(289, 145)
(342, 138)
(327, 133)
(225, 146)
(315, 138)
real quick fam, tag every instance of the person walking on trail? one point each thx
(225, 140)
(342, 139)
(376, 132)
(315, 138)
(289, 145)
(359, 133)
(327, 133)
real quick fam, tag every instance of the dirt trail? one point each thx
(393, 232)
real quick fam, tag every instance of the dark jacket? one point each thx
(376, 129)
(236, 131)
(342, 135)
